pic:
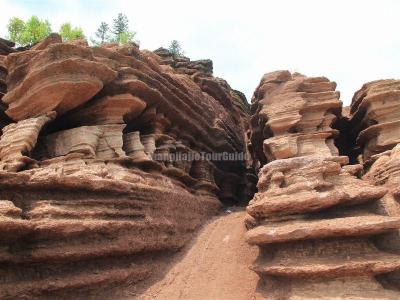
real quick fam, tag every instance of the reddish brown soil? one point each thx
(214, 266)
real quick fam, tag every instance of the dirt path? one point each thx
(215, 267)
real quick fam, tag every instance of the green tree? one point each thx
(126, 37)
(29, 32)
(122, 34)
(175, 48)
(120, 24)
(69, 33)
(35, 30)
(102, 34)
(15, 28)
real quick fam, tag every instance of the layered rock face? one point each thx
(58, 78)
(375, 117)
(384, 171)
(3, 75)
(6, 47)
(200, 71)
(320, 228)
(3, 90)
(101, 176)
(183, 64)
(375, 109)
(291, 116)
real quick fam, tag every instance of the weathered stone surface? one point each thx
(4, 119)
(7, 42)
(312, 216)
(110, 142)
(91, 206)
(374, 125)
(308, 184)
(114, 185)
(384, 171)
(117, 109)
(385, 168)
(184, 64)
(83, 140)
(365, 287)
(6, 47)
(53, 38)
(292, 115)
(12, 226)
(299, 145)
(149, 144)
(305, 230)
(133, 146)
(94, 225)
(18, 140)
(3, 75)
(350, 257)
(375, 116)
(58, 78)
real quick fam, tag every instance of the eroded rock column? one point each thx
(374, 119)
(314, 220)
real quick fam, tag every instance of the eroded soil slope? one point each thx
(215, 265)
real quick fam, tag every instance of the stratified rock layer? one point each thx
(383, 170)
(292, 115)
(319, 227)
(6, 47)
(104, 172)
(375, 117)
(374, 124)
(200, 71)
(57, 78)
(3, 75)
(18, 141)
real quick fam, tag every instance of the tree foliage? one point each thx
(121, 31)
(15, 27)
(175, 48)
(69, 33)
(33, 30)
(120, 24)
(29, 32)
(102, 33)
(126, 37)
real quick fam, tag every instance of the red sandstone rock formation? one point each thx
(87, 200)
(58, 78)
(6, 47)
(292, 116)
(375, 117)
(200, 72)
(99, 178)
(3, 75)
(375, 122)
(319, 227)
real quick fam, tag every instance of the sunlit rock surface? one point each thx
(319, 226)
(94, 192)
